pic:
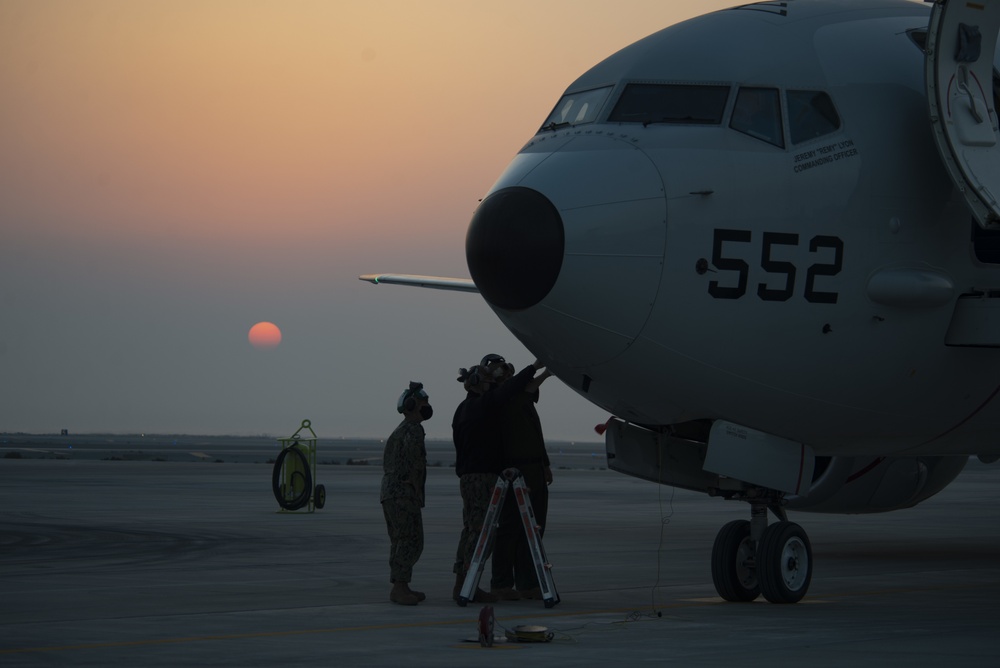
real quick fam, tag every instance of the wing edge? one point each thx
(419, 281)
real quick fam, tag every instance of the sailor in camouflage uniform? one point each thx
(476, 431)
(405, 464)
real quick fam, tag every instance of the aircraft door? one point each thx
(959, 75)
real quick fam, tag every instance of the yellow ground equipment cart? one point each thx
(294, 477)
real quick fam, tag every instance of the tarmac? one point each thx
(122, 561)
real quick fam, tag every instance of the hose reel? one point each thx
(294, 474)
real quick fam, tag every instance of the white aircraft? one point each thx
(767, 240)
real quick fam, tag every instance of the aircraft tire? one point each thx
(733, 573)
(784, 563)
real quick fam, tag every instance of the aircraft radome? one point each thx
(767, 240)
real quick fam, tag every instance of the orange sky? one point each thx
(185, 108)
(180, 170)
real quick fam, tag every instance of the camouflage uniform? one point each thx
(476, 489)
(405, 464)
(476, 431)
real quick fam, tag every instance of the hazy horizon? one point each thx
(173, 173)
(268, 437)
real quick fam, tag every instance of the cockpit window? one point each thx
(671, 103)
(576, 108)
(811, 114)
(919, 37)
(758, 113)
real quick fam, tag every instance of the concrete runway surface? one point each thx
(164, 563)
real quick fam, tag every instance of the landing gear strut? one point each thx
(753, 558)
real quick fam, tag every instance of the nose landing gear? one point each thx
(784, 563)
(753, 558)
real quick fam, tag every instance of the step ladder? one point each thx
(511, 478)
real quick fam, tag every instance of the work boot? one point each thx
(506, 594)
(419, 594)
(402, 595)
(483, 597)
(479, 596)
(534, 594)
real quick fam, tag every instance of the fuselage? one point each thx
(744, 217)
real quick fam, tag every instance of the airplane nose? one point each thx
(514, 247)
(568, 246)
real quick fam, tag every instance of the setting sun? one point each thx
(264, 335)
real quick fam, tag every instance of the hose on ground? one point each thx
(276, 486)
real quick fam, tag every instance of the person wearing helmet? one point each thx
(476, 433)
(404, 463)
(524, 450)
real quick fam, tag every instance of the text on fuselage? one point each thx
(737, 246)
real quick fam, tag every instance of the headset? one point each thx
(408, 399)
(493, 358)
(472, 376)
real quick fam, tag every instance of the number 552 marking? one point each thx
(729, 259)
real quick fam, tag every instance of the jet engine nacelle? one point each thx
(875, 484)
(838, 484)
